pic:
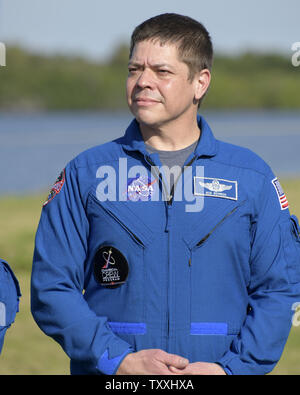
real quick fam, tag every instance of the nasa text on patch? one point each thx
(216, 187)
(140, 188)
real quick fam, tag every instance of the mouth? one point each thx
(145, 101)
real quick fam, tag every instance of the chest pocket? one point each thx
(113, 225)
(291, 237)
(118, 213)
(211, 223)
(219, 251)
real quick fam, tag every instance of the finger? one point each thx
(168, 372)
(174, 370)
(174, 360)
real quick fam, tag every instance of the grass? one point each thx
(27, 350)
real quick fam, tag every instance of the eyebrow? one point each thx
(156, 65)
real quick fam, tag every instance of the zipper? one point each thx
(165, 189)
(170, 201)
(165, 192)
(159, 176)
(169, 205)
(133, 235)
(203, 240)
(215, 227)
(168, 297)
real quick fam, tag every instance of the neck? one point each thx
(171, 137)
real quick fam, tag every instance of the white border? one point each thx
(217, 196)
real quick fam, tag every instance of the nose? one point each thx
(145, 79)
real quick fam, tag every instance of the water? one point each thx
(34, 148)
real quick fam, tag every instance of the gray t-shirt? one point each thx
(173, 158)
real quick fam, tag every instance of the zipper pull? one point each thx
(171, 196)
(190, 262)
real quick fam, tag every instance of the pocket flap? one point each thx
(214, 328)
(129, 328)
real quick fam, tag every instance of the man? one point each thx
(141, 269)
(9, 299)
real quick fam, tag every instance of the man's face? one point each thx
(158, 88)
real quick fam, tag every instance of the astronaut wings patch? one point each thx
(216, 187)
(56, 187)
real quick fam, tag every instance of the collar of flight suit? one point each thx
(207, 145)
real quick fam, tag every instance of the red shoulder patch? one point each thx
(56, 187)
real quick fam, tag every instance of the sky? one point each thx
(94, 28)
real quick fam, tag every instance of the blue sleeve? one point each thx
(57, 284)
(10, 294)
(273, 289)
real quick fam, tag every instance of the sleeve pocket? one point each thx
(291, 239)
(2, 314)
(10, 294)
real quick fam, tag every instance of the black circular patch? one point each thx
(110, 267)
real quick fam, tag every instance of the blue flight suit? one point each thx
(122, 270)
(9, 298)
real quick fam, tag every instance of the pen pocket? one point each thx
(290, 232)
(217, 258)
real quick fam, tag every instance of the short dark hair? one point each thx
(192, 39)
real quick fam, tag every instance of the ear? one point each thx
(201, 81)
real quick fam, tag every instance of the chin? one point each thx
(147, 118)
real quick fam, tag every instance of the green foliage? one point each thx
(254, 81)
(36, 82)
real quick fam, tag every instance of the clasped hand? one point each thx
(159, 362)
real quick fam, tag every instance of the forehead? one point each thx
(152, 51)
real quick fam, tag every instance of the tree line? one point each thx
(39, 82)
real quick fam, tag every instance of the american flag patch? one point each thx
(284, 204)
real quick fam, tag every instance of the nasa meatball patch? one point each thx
(56, 187)
(140, 189)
